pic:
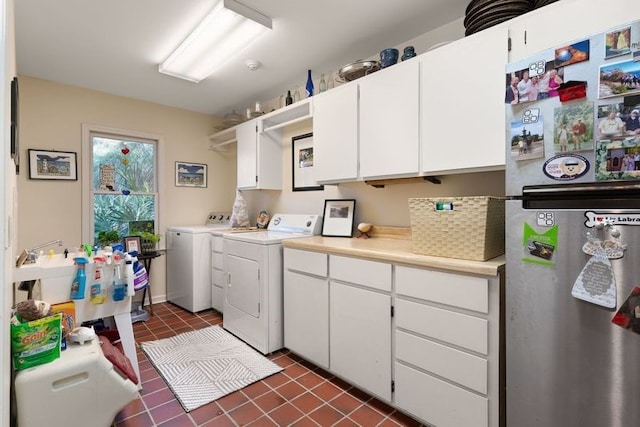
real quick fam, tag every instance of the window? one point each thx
(120, 181)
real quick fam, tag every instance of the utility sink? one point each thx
(45, 267)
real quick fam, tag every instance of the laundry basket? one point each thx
(469, 228)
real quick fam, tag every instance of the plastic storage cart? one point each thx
(81, 388)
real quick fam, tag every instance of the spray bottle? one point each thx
(128, 259)
(119, 285)
(79, 282)
(96, 292)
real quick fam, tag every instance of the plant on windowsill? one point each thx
(148, 241)
(108, 238)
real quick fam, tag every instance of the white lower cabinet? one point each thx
(360, 337)
(306, 305)
(436, 359)
(447, 345)
(360, 323)
(217, 274)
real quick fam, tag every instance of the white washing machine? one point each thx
(189, 263)
(253, 265)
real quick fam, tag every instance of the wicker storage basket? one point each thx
(458, 227)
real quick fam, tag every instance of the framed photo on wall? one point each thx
(302, 164)
(191, 175)
(59, 165)
(339, 216)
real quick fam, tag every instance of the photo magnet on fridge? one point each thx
(628, 316)
(539, 247)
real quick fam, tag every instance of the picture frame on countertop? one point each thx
(302, 164)
(53, 165)
(339, 217)
(133, 243)
(191, 175)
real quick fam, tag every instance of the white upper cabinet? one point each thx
(335, 135)
(565, 22)
(259, 157)
(462, 87)
(389, 122)
(369, 128)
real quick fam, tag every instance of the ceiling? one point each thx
(115, 46)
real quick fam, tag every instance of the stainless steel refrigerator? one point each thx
(572, 295)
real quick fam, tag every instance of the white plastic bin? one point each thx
(81, 388)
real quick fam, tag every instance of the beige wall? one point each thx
(51, 117)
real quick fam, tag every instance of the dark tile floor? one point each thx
(300, 395)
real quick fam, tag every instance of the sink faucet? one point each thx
(32, 255)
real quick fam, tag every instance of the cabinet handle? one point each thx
(229, 279)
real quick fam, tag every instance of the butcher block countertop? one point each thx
(393, 244)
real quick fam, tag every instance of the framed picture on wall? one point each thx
(191, 175)
(302, 164)
(57, 165)
(339, 216)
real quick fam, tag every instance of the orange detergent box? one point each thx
(68, 310)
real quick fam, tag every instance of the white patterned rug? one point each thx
(204, 365)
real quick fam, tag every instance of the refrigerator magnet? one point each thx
(628, 316)
(596, 282)
(539, 248)
(566, 167)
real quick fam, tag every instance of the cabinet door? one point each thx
(571, 21)
(360, 338)
(462, 100)
(335, 134)
(389, 137)
(269, 153)
(246, 135)
(306, 317)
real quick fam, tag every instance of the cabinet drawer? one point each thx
(438, 402)
(457, 290)
(454, 328)
(446, 362)
(362, 272)
(218, 277)
(306, 261)
(217, 260)
(216, 243)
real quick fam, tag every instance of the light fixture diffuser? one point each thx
(227, 30)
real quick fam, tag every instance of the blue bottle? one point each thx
(309, 84)
(79, 282)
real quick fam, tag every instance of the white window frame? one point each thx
(87, 166)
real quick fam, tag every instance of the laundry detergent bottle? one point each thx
(79, 282)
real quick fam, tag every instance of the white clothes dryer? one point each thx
(189, 263)
(253, 264)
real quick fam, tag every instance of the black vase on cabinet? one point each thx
(288, 100)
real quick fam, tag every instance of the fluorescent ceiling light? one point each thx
(227, 30)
